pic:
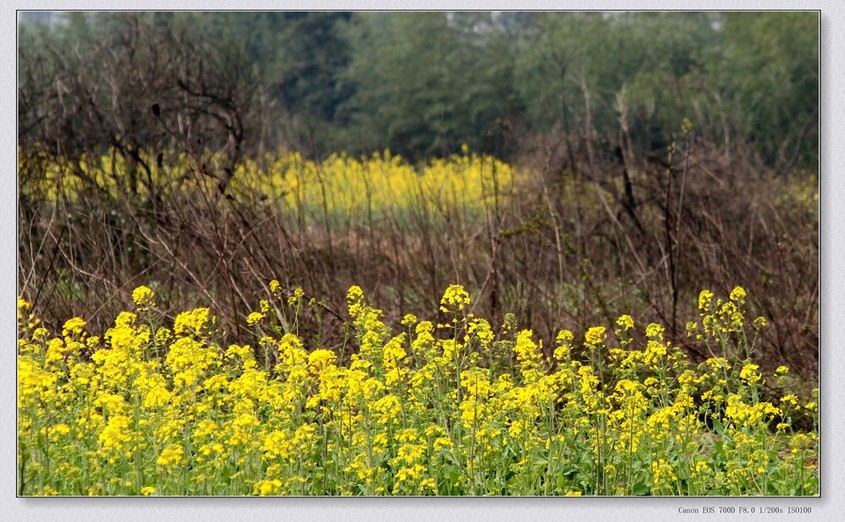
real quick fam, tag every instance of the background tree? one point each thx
(422, 87)
(770, 66)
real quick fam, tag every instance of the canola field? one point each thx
(339, 189)
(443, 405)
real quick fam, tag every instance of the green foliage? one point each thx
(425, 83)
(421, 83)
(299, 58)
(777, 103)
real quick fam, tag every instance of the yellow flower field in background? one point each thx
(381, 185)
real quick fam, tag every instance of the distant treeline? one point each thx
(423, 84)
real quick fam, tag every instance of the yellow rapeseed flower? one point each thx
(564, 336)
(481, 329)
(455, 296)
(654, 351)
(267, 487)
(738, 294)
(595, 336)
(749, 373)
(662, 473)
(654, 331)
(701, 468)
(626, 322)
(705, 298)
(355, 301)
(298, 293)
(73, 327)
(194, 322)
(274, 286)
(116, 433)
(321, 359)
(254, 318)
(171, 456)
(157, 397)
(163, 336)
(143, 297)
(527, 355)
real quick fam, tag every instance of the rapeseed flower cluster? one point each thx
(435, 409)
(338, 188)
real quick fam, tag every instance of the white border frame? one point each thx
(828, 507)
